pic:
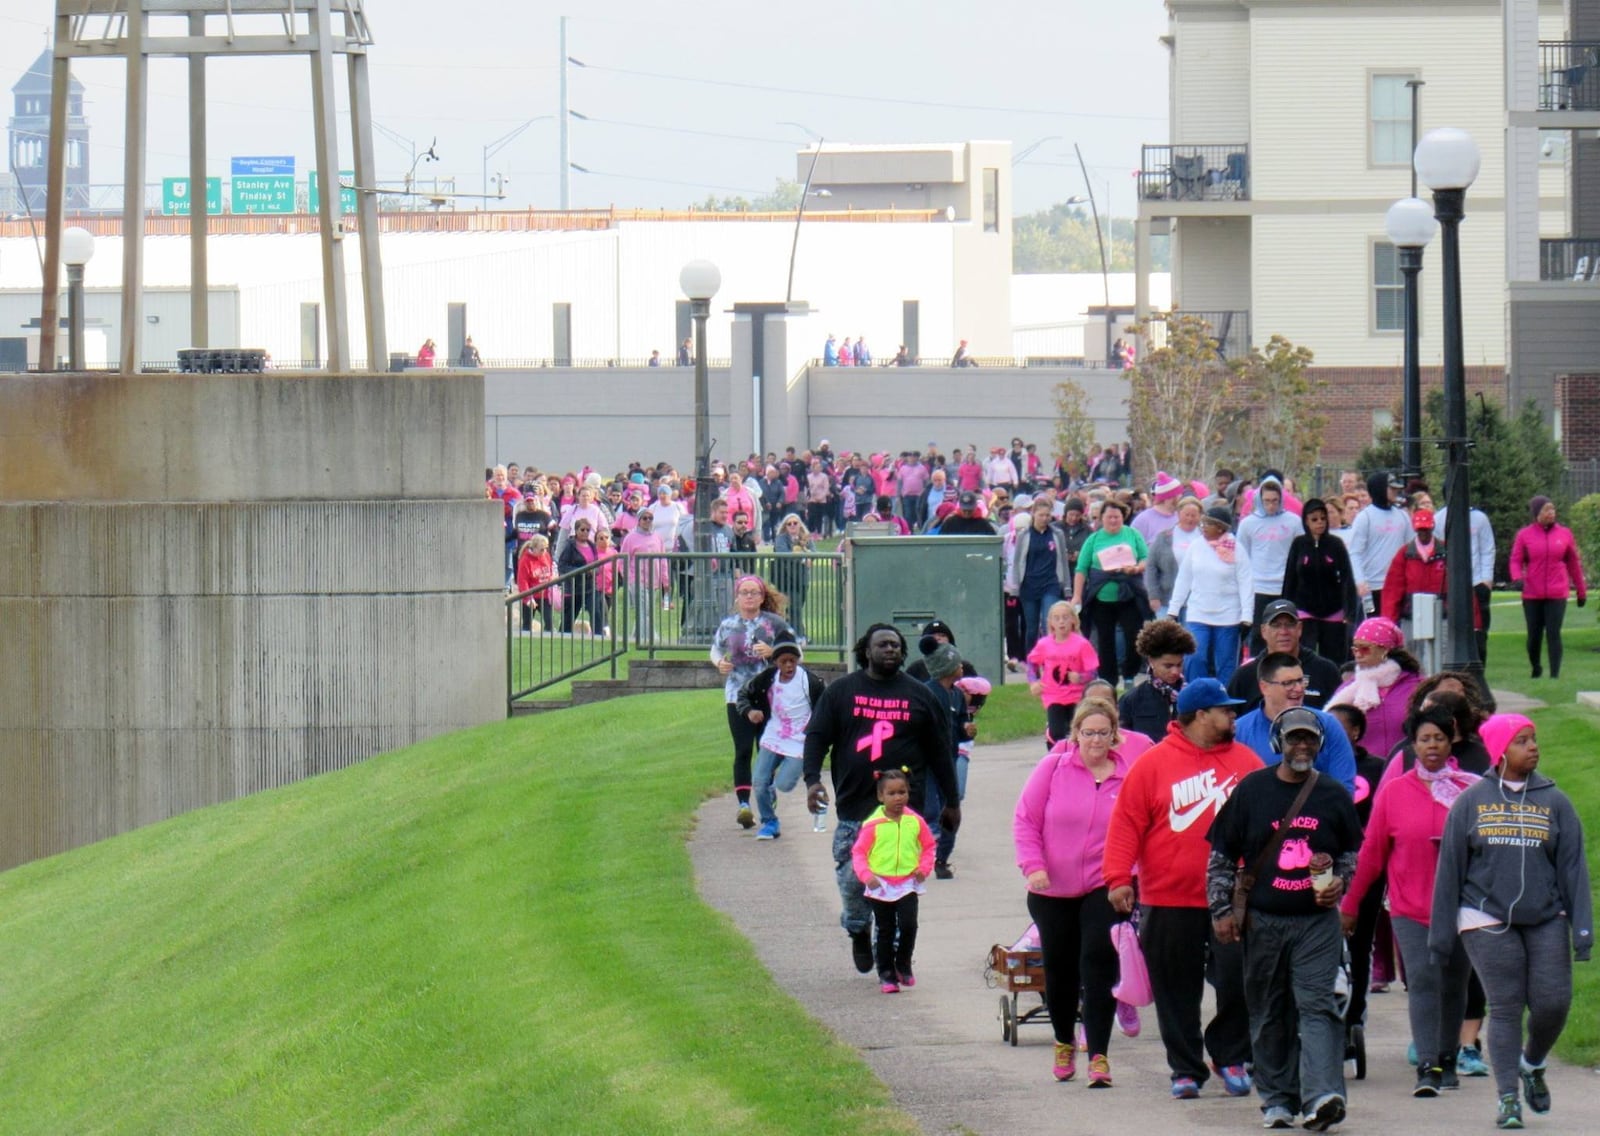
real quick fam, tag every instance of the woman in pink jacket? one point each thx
(1060, 833)
(1402, 841)
(1544, 558)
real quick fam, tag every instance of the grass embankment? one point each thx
(491, 932)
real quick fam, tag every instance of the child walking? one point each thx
(892, 857)
(783, 697)
(1058, 666)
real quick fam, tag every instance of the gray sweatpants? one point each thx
(1296, 1032)
(1523, 967)
(1436, 997)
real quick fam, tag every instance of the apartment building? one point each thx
(1291, 130)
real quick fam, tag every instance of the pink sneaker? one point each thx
(907, 979)
(889, 987)
(1128, 1019)
(1066, 1062)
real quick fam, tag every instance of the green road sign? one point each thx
(266, 193)
(347, 192)
(175, 196)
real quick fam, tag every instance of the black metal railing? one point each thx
(1570, 258)
(1231, 330)
(659, 602)
(1569, 75)
(1195, 173)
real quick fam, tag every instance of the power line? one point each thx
(682, 130)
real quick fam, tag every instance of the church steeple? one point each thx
(29, 137)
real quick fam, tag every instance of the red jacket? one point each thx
(1411, 575)
(1162, 819)
(1547, 563)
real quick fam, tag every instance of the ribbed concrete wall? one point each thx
(164, 654)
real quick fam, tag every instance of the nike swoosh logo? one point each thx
(1183, 820)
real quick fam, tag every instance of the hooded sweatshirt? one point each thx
(1266, 541)
(1517, 857)
(1379, 531)
(1060, 822)
(1318, 577)
(1163, 817)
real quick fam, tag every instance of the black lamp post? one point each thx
(1447, 161)
(77, 247)
(700, 280)
(1411, 225)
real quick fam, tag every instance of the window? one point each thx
(1382, 423)
(991, 200)
(1388, 289)
(1389, 127)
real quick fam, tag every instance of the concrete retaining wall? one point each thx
(169, 650)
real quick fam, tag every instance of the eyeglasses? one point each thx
(1096, 735)
(1291, 683)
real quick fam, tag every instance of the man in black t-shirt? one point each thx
(1292, 941)
(873, 719)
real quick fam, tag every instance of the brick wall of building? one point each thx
(1578, 404)
(1350, 395)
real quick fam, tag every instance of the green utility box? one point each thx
(908, 580)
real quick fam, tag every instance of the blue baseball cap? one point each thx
(1203, 694)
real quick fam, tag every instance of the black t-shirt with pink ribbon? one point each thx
(1251, 815)
(864, 725)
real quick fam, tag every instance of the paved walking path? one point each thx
(938, 1046)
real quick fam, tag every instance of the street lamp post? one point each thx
(1447, 162)
(1411, 225)
(77, 247)
(700, 280)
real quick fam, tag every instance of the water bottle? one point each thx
(819, 819)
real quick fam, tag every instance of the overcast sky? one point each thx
(467, 72)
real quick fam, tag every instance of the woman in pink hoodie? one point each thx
(1059, 829)
(646, 572)
(1402, 841)
(1544, 559)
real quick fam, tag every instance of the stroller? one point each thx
(1355, 1034)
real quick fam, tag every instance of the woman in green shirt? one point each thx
(1108, 589)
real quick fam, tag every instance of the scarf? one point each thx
(1367, 685)
(1224, 546)
(1447, 784)
(1170, 691)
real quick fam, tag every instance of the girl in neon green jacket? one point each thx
(892, 857)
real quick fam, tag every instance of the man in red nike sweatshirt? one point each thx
(1161, 824)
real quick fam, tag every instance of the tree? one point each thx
(1283, 428)
(1181, 398)
(1074, 428)
(785, 196)
(1062, 239)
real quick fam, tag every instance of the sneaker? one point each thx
(907, 979)
(861, 950)
(1469, 1062)
(1185, 1088)
(747, 818)
(1324, 1114)
(889, 987)
(1235, 1080)
(1378, 988)
(1277, 1117)
(768, 831)
(1447, 1072)
(1099, 1072)
(1066, 1062)
(1428, 1082)
(1534, 1090)
(1411, 1054)
(943, 871)
(1510, 1115)
(1128, 1019)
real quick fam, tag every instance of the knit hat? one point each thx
(1536, 506)
(1219, 516)
(1498, 731)
(943, 661)
(938, 627)
(1381, 631)
(785, 644)
(1166, 487)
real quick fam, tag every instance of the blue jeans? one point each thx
(1216, 652)
(1035, 610)
(855, 916)
(773, 770)
(933, 804)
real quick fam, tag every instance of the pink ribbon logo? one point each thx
(881, 732)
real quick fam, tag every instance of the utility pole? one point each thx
(566, 146)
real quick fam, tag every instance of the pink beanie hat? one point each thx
(1166, 487)
(1381, 631)
(1498, 731)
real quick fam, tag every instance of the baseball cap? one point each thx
(1204, 694)
(968, 498)
(1277, 608)
(1296, 719)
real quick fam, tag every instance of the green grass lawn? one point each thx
(491, 932)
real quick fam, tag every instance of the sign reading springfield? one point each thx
(263, 185)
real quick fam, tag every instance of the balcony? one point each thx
(1570, 258)
(1195, 173)
(1231, 330)
(1569, 75)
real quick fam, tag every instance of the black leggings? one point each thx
(1544, 619)
(1058, 721)
(1075, 940)
(1107, 617)
(745, 735)
(897, 935)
